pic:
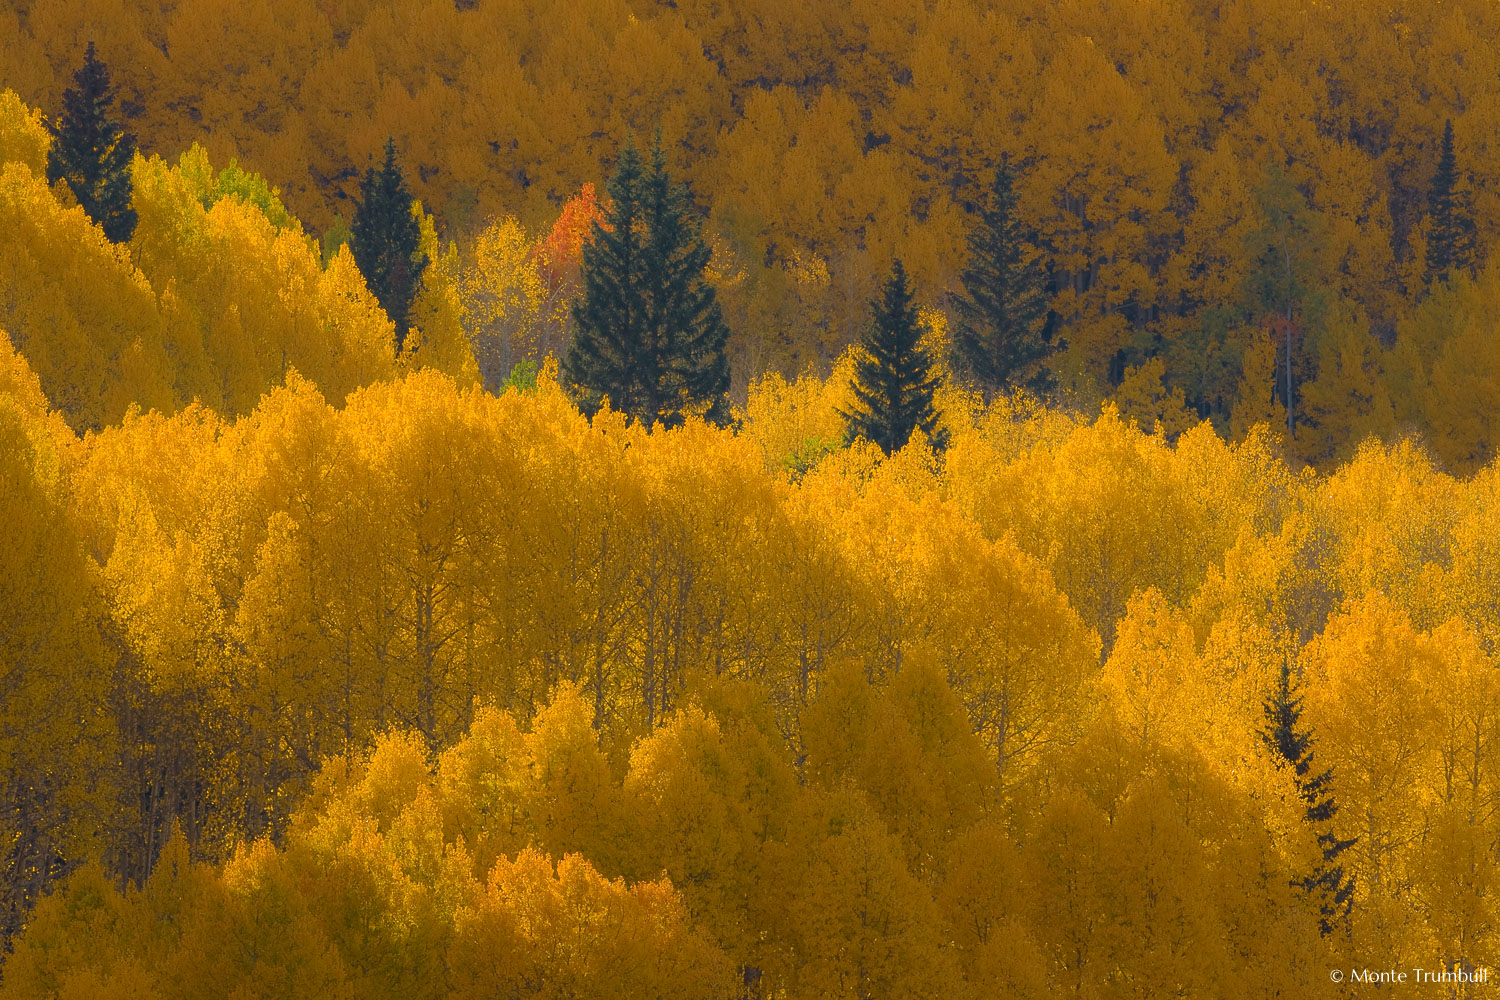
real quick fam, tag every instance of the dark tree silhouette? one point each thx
(650, 335)
(386, 241)
(92, 152)
(894, 382)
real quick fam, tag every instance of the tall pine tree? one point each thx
(650, 335)
(1327, 883)
(92, 152)
(386, 240)
(894, 382)
(1450, 217)
(1000, 337)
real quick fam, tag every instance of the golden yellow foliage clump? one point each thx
(418, 682)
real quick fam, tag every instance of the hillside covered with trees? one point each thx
(1165, 155)
(781, 501)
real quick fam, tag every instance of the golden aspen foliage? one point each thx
(973, 80)
(244, 295)
(1098, 195)
(797, 422)
(540, 923)
(1148, 800)
(908, 747)
(1095, 507)
(1370, 656)
(1456, 870)
(75, 306)
(241, 68)
(364, 676)
(220, 297)
(847, 136)
(1010, 645)
(1143, 398)
(1210, 264)
(1371, 698)
(1464, 587)
(503, 297)
(1255, 404)
(1348, 402)
(78, 941)
(53, 673)
(984, 897)
(23, 136)
(572, 794)
(56, 33)
(851, 712)
(369, 898)
(1145, 679)
(1205, 345)
(512, 110)
(701, 800)
(1442, 370)
(439, 340)
(22, 390)
(847, 917)
(1390, 514)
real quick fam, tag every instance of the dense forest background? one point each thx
(332, 668)
(1167, 153)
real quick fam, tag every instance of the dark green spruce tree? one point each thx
(91, 151)
(1450, 217)
(649, 333)
(1283, 736)
(386, 240)
(894, 382)
(1000, 335)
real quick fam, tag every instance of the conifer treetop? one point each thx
(895, 381)
(650, 334)
(1450, 234)
(1292, 744)
(999, 338)
(386, 240)
(91, 151)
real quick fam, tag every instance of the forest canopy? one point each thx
(1051, 552)
(1162, 152)
(399, 696)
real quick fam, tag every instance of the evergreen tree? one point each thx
(894, 383)
(1000, 336)
(650, 335)
(1333, 889)
(386, 238)
(609, 355)
(1450, 217)
(92, 152)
